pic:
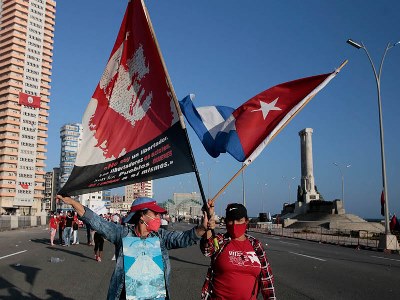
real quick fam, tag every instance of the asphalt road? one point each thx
(303, 270)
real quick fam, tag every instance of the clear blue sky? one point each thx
(226, 52)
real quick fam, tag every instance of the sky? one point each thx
(225, 52)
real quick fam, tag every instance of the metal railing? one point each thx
(351, 238)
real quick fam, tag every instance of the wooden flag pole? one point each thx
(181, 118)
(280, 129)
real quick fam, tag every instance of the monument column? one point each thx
(307, 169)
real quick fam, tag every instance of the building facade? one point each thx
(119, 205)
(52, 185)
(185, 205)
(140, 189)
(26, 50)
(71, 139)
(99, 202)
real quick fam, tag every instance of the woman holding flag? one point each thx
(143, 223)
(239, 266)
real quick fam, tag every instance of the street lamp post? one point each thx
(389, 241)
(262, 195)
(341, 174)
(289, 184)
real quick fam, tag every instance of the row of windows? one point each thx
(37, 5)
(28, 63)
(31, 85)
(35, 38)
(36, 12)
(24, 191)
(33, 58)
(28, 136)
(29, 129)
(25, 175)
(34, 51)
(31, 78)
(28, 114)
(22, 167)
(29, 122)
(25, 159)
(32, 71)
(34, 31)
(27, 144)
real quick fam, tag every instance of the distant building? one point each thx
(71, 139)
(99, 202)
(119, 205)
(52, 185)
(185, 205)
(140, 189)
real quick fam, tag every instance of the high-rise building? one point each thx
(140, 189)
(52, 185)
(26, 50)
(71, 138)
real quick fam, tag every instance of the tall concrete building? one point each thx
(26, 50)
(52, 185)
(71, 138)
(140, 189)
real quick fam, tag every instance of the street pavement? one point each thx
(302, 269)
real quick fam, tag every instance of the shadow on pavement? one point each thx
(30, 272)
(15, 293)
(61, 248)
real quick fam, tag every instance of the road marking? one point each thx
(288, 243)
(13, 254)
(385, 258)
(308, 256)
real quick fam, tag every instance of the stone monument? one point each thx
(307, 185)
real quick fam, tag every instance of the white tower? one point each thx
(307, 169)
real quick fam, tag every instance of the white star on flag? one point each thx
(267, 107)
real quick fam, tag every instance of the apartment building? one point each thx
(52, 185)
(71, 139)
(140, 189)
(26, 50)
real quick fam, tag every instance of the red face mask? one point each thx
(154, 224)
(236, 230)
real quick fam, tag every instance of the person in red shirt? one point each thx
(53, 224)
(239, 267)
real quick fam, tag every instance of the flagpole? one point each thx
(181, 118)
(249, 161)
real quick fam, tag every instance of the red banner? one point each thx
(29, 100)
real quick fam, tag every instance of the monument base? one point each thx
(388, 242)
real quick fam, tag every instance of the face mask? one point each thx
(236, 230)
(153, 224)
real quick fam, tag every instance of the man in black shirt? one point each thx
(68, 228)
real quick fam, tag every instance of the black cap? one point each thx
(236, 211)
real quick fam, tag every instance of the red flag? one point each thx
(29, 100)
(131, 129)
(382, 203)
(261, 117)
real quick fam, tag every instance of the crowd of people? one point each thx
(239, 268)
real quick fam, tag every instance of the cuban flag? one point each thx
(244, 132)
